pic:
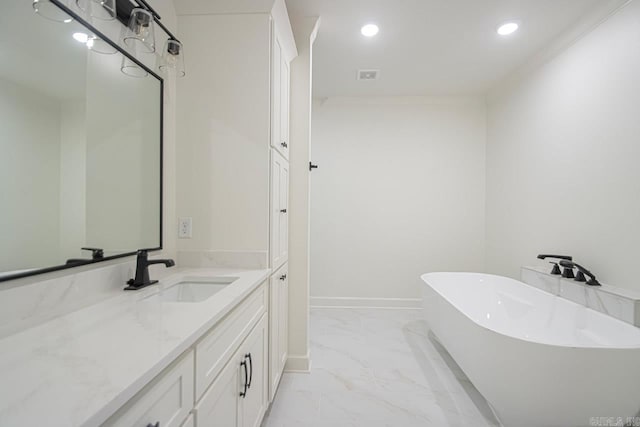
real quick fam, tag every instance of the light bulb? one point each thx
(369, 30)
(81, 37)
(507, 28)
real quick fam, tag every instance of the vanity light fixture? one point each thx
(508, 28)
(173, 58)
(369, 30)
(139, 36)
(140, 32)
(50, 11)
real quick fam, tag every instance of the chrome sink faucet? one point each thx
(142, 278)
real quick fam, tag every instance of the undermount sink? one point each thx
(194, 289)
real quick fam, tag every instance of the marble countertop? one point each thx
(614, 290)
(79, 369)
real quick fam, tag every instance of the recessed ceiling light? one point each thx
(508, 28)
(369, 30)
(81, 37)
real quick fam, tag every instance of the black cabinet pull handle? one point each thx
(283, 277)
(312, 166)
(157, 424)
(250, 369)
(284, 144)
(246, 378)
(283, 210)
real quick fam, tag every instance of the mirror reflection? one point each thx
(80, 143)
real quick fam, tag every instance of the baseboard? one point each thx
(350, 302)
(298, 364)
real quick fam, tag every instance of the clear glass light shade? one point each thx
(173, 58)
(96, 44)
(140, 31)
(104, 10)
(50, 11)
(130, 68)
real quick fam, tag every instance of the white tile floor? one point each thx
(375, 368)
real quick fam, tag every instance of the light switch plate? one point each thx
(184, 228)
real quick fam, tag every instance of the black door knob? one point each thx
(312, 166)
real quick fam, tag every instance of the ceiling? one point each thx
(430, 47)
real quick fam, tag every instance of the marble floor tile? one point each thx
(377, 368)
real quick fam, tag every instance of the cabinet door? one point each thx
(284, 212)
(279, 210)
(283, 322)
(219, 344)
(284, 107)
(278, 327)
(167, 400)
(254, 404)
(276, 108)
(219, 406)
(274, 335)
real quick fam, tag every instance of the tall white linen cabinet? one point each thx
(233, 151)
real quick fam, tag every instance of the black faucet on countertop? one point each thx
(142, 271)
(581, 272)
(567, 273)
(96, 254)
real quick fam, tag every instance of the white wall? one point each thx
(122, 157)
(73, 179)
(305, 30)
(29, 171)
(562, 157)
(223, 132)
(399, 192)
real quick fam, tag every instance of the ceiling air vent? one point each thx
(368, 74)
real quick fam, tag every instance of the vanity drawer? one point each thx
(217, 346)
(167, 400)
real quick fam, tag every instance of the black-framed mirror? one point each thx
(80, 145)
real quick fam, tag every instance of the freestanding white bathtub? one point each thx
(540, 360)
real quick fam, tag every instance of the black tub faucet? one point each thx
(142, 271)
(581, 273)
(566, 272)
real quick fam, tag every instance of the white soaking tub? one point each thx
(539, 359)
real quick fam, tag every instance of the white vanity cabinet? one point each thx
(166, 401)
(279, 234)
(221, 381)
(278, 327)
(238, 397)
(216, 347)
